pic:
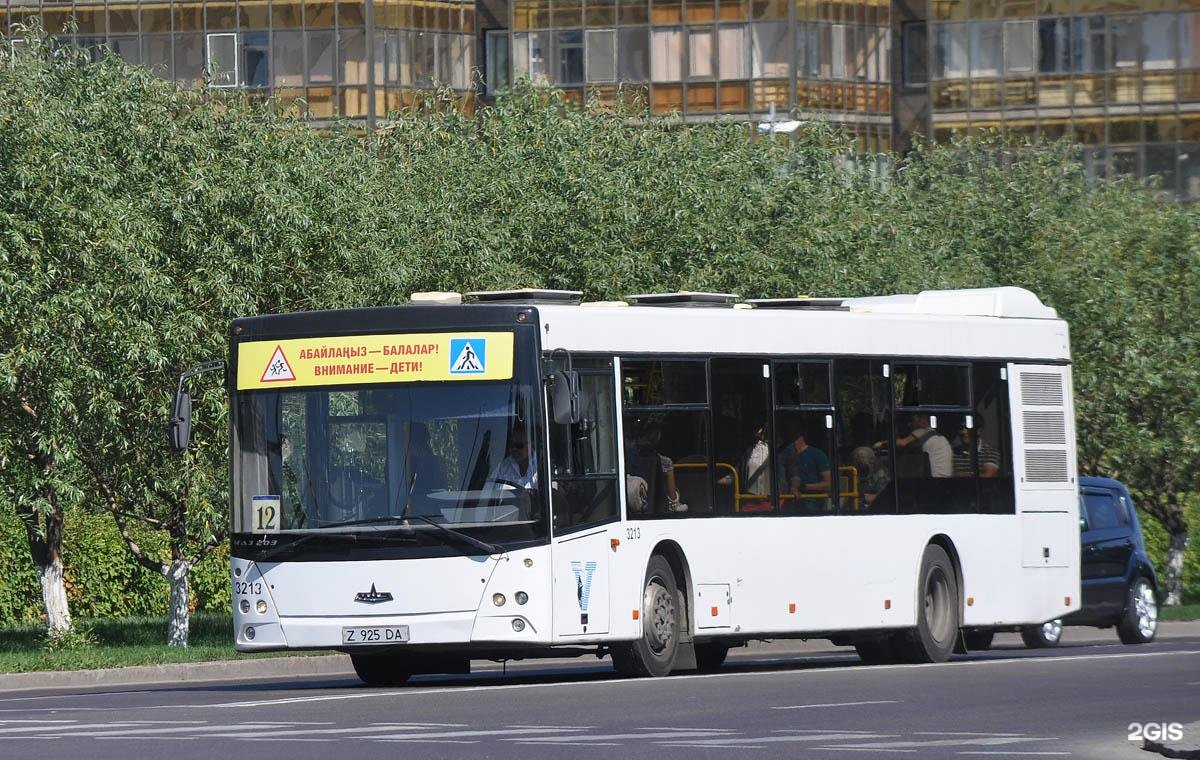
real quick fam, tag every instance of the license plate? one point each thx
(376, 634)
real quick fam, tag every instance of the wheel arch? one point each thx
(673, 553)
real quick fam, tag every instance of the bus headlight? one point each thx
(518, 625)
(498, 599)
(250, 632)
(521, 597)
(245, 605)
(261, 606)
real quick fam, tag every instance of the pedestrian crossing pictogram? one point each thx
(469, 356)
(278, 370)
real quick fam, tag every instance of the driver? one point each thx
(520, 467)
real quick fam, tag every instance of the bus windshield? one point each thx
(459, 455)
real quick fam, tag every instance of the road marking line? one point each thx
(1008, 753)
(373, 728)
(962, 733)
(39, 721)
(204, 730)
(984, 742)
(70, 727)
(865, 734)
(695, 734)
(566, 744)
(460, 734)
(685, 728)
(568, 728)
(840, 704)
(711, 746)
(875, 749)
(722, 741)
(649, 682)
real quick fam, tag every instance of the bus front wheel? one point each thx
(653, 654)
(937, 610)
(381, 669)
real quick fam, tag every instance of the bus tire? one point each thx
(711, 655)
(381, 669)
(653, 654)
(937, 611)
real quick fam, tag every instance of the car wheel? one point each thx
(979, 641)
(654, 653)
(1140, 621)
(937, 611)
(1048, 634)
(381, 669)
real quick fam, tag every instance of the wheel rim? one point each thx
(659, 609)
(937, 606)
(1052, 630)
(1146, 609)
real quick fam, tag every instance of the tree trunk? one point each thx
(177, 630)
(1173, 580)
(46, 550)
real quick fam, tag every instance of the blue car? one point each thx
(1120, 587)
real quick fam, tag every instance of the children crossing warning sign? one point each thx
(278, 370)
(360, 359)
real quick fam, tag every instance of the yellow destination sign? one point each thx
(358, 359)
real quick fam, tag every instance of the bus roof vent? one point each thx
(527, 296)
(683, 298)
(816, 304)
(978, 302)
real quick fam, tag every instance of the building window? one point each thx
(1019, 46)
(256, 69)
(222, 60)
(601, 55)
(731, 53)
(987, 50)
(950, 53)
(496, 42)
(634, 59)
(666, 55)
(770, 50)
(700, 53)
(570, 57)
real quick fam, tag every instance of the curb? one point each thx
(182, 672)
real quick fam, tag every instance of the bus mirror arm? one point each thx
(180, 430)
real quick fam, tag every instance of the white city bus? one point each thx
(524, 475)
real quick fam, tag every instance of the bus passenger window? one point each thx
(804, 470)
(992, 432)
(864, 418)
(743, 470)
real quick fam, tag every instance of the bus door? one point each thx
(585, 504)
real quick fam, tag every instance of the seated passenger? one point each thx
(804, 469)
(989, 458)
(872, 477)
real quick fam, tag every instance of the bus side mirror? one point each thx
(567, 409)
(181, 421)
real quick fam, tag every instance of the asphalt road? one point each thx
(782, 700)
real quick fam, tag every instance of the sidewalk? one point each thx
(338, 665)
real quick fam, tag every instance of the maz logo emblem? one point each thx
(372, 596)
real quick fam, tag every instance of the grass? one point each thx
(121, 643)
(1182, 612)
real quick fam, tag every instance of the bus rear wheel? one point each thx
(653, 654)
(381, 669)
(937, 611)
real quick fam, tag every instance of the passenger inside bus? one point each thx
(873, 477)
(644, 461)
(804, 472)
(923, 452)
(989, 457)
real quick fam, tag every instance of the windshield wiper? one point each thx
(481, 545)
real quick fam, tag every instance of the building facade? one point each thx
(1120, 76)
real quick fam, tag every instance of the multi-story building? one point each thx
(1120, 76)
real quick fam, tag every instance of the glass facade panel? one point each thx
(700, 55)
(633, 48)
(601, 55)
(770, 50)
(732, 58)
(666, 53)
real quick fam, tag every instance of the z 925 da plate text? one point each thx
(380, 634)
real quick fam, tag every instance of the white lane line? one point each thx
(81, 694)
(962, 733)
(435, 741)
(39, 721)
(1009, 753)
(566, 728)
(463, 734)
(374, 728)
(859, 749)
(199, 730)
(724, 741)
(695, 734)
(868, 734)
(653, 682)
(686, 728)
(567, 744)
(981, 742)
(839, 704)
(711, 746)
(70, 727)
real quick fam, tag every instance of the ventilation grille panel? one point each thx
(1045, 466)
(1045, 427)
(1041, 389)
